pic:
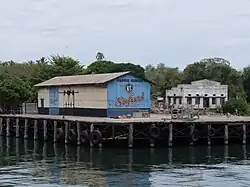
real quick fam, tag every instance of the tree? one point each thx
(164, 77)
(246, 81)
(99, 56)
(217, 69)
(18, 79)
(64, 66)
(236, 106)
(111, 67)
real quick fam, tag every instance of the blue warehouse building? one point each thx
(95, 95)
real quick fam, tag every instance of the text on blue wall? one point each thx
(128, 92)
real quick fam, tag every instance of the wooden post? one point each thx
(130, 136)
(78, 133)
(55, 129)
(26, 128)
(191, 143)
(208, 135)
(17, 128)
(100, 144)
(45, 150)
(244, 134)
(8, 127)
(91, 130)
(35, 129)
(45, 137)
(66, 123)
(170, 135)
(1, 126)
(226, 134)
(152, 142)
(113, 131)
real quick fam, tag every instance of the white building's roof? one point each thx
(205, 82)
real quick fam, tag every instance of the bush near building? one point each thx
(236, 106)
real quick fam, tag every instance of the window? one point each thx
(197, 101)
(205, 94)
(213, 101)
(180, 101)
(189, 94)
(214, 94)
(174, 100)
(189, 101)
(222, 95)
(197, 94)
(42, 102)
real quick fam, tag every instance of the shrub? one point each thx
(239, 105)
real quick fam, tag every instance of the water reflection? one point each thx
(26, 162)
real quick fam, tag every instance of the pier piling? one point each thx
(209, 134)
(8, 127)
(35, 129)
(170, 135)
(78, 126)
(191, 143)
(130, 136)
(226, 134)
(91, 130)
(244, 136)
(152, 141)
(26, 128)
(54, 130)
(98, 132)
(1, 126)
(17, 128)
(45, 129)
(66, 123)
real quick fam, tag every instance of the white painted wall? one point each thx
(43, 93)
(205, 89)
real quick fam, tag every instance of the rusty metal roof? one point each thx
(82, 79)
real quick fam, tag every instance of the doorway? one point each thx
(205, 102)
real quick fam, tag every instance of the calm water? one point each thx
(29, 164)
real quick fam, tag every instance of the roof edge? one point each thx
(124, 73)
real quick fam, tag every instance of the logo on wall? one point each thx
(125, 102)
(129, 88)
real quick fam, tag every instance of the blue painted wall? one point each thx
(54, 101)
(126, 95)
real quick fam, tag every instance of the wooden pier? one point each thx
(157, 130)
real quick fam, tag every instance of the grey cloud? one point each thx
(139, 31)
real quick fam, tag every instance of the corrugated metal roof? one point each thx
(82, 79)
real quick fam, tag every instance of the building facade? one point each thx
(103, 95)
(199, 94)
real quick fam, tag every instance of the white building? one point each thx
(199, 94)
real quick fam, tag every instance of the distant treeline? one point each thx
(18, 78)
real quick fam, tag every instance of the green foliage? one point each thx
(217, 69)
(103, 66)
(164, 77)
(236, 106)
(17, 80)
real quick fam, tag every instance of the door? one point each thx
(42, 102)
(205, 102)
(53, 101)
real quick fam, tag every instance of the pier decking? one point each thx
(156, 130)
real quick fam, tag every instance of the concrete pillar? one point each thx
(218, 101)
(201, 102)
(193, 101)
(184, 101)
(171, 100)
(210, 102)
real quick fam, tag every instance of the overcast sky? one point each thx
(174, 32)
